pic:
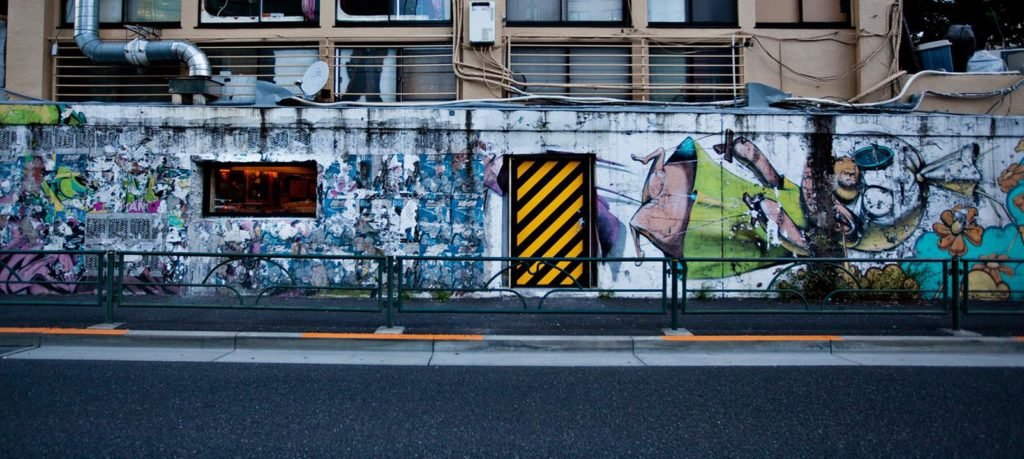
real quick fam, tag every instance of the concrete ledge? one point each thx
(295, 341)
(660, 344)
(936, 344)
(150, 339)
(509, 343)
(19, 339)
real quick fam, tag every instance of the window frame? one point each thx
(347, 23)
(690, 24)
(626, 20)
(65, 24)
(801, 24)
(208, 172)
(258, 23)
(401, 52)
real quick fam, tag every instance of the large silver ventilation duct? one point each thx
(135, 52)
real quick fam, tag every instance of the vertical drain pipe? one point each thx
(136, 52)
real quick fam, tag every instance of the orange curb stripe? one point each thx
(727, 338)
(374, 336)
(61, 331)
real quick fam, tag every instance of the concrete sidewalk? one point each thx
(507, 350)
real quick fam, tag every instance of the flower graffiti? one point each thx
(986, 278)
(1010, 177)
(955, 226)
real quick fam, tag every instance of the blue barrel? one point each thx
(936, 55)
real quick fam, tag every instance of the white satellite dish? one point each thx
(314, 79)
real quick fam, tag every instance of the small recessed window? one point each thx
(394, 11)
(258, 11)
(675, 13)
(526, 12)
(803, 13)
(131, 11)
(260, 189)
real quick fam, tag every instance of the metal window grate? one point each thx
(80, 79)
(666, 72)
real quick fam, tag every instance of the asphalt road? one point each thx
(87, 409)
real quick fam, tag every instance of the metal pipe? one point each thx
(137, 52)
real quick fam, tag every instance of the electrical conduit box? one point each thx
(481, 23)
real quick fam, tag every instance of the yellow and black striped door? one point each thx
(551, 210)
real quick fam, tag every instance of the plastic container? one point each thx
(984, 61)
(936, 55)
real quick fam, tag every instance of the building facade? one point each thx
(420, 50)
(107, 164)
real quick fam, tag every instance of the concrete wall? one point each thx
(423, 182)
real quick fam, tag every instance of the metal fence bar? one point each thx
(989, 301)
(390, 291)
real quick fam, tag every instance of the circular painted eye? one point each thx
(873, 157)
(878, 201)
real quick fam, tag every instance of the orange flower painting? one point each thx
(955, 226)
(986, 281)
(1009, 178)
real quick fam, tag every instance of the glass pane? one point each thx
(290, 65)
(424, 10)
(668, 75)
(261, 189)
(154, 11)
(231, 8)
(110, 11)
(666, 11)
(365, 75)
(284, 9)
(608, 69)
(684, 74)
(541, 65)
(714, 11)
(394, 10)
(594, 10)
(426, 74)
(534, 10)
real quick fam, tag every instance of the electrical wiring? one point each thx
(893, 39)
(897, 104)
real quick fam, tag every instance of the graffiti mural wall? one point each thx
(432, 182)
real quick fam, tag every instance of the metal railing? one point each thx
(498, 270)
(119, 280)
(709, 71)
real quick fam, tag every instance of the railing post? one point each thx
(955, 303)
(101, 280)
(109, 260)
(945, 285)
(675, 294)
(390, 312)
(965, 291)
(682, 276)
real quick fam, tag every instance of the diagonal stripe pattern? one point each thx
(549, 202)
